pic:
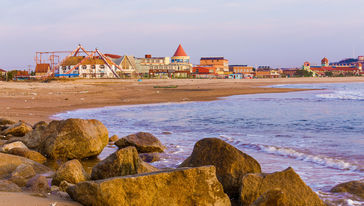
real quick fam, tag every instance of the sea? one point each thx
(318, 132)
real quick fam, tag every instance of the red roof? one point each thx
(114, 56)
(1, 70)
(334, 69)
(324, 60)
(180, 52)
(42, 68)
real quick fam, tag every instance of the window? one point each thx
(102, 66)
(84, 67)
(93, 66)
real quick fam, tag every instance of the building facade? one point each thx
(42, 69)
(177, 66)
(93, 67)
(245, 70)
(220, 63)
(336, 69)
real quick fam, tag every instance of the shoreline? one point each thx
(34, 101)
(75, 90)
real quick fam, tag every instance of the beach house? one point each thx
(42, 69)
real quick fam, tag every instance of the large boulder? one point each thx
(27, 153)
(7, 186)
(231, 164)
(9, 163)
(13, 145)
(352, 187)
(288, 181)
(123, 162)
(184, 186)
(71, 171)
(73, 139)
(21, 174)
(142, 141)
(18, 130)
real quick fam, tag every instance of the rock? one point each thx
(123, 162)
(9, 163)
(288, 181)
(114, 138)
(21, 174)
(73, 139)
(352, 187)
(64, 185)
(7, 186)
(71, 171)
(27, 153)
(272, 197)
(41, 124)
(4, 121)
(184, 186)
(2, 128)
(10, 146)
(18, 130)
(231, 164)
(36, 138)
(150, 157)
(39, 184)
(142, 141)
(2, 142)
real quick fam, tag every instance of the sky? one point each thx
(279, 33)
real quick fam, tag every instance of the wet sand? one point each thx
(28, 199)
(36, 101)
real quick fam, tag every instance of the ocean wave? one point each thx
(343, 95)
(292, 153)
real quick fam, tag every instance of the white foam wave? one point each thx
(291, 153)
(318, 159)
(343, 95)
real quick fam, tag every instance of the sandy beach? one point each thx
(36, 101)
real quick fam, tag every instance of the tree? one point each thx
(303, 73)
(329, 74)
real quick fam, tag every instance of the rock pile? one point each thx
(216, 173)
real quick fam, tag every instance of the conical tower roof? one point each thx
(180, 52)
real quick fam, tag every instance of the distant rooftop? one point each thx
(180, 52)
(237, 65)
(212, 58)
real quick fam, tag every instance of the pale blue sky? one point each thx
(280, 33)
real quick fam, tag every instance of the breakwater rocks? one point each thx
(216, 173)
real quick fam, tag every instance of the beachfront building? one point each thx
(267, 72)
(126, 64)
(2, 72)
(245, 71)
(165, 67)
(93, 67)
(335, 69)
(181, 63)
(289, 72)
(220, 63)
(42, 69)
(204, 72)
